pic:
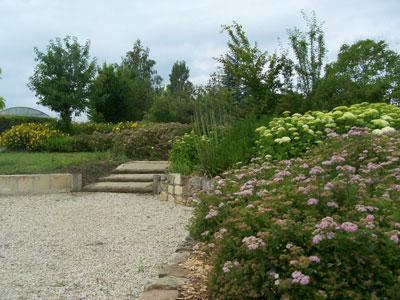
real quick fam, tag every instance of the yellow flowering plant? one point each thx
(27, 136)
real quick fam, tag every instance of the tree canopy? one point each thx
(366, 71)
(309, 51)
(255, 78)
(62, 77)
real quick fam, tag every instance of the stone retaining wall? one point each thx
(40, 184)
(177, 188)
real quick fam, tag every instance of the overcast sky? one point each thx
(173, 30)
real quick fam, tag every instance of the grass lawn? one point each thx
(29, 163)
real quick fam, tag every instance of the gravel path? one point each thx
(85, 246)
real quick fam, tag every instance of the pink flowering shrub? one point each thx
(325, 226)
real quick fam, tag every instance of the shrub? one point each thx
(124, 126)
(289, 136)
(6, 122)
(152, 142)
(217, 149)
(62, 143)
(90, 127)
(326, 226)
(27, 136)
(94, 142)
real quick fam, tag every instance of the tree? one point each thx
(366, 71)
(179, 78)
(255, 78)
(62, 77)
(145, 81)
(309, 52)
(175, 103)
(2, 101)
(112, 97)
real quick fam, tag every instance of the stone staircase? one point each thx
(130, 177)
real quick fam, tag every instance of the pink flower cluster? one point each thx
(316, 170)
(346, 169)
(312, 201)
(300, 278)
(211, 214)
(335, 159)
(320, 233)
(314, 259)
(253, 243)
(349, 227)
(364, 208)
(229, 265)
(332, 204)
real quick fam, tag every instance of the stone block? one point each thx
(159, 295)
(163, 196)
(60, 182)
(76, 183)
(178, 190)
(177, 178)
(174, 271)
(171, 189)
(165, 283)
(41, 183)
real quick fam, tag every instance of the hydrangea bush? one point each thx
(291, 135)
(324, 226)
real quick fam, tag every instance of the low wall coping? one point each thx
(22, 184)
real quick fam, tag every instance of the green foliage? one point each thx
(321, 227)
(171, 107)
(152, 142)
(27, 136)
(63, 143)
(113, 97)
(42, 162)
(179, 79)
(91, 127)
(6, 122)
(366, 71)
(217, 143)
(255, 78)
(140, 82)
(176, 102)
(62, 77)
(95, 142)
(290, 136)
(309, 50)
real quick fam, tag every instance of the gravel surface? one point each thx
(85, 246)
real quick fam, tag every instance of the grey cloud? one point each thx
(173, 30)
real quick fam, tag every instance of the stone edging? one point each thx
(178, 188)
(171, 276)
(40, 184)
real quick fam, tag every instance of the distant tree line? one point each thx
(250, 80)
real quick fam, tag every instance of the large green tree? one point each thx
(179, 78)
(309, 52)
(366, 71)
(112, 97)
(62, 77)
(176, 102)
(2, 101)
(255, 78)
(146, 83)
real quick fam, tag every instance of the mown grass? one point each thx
(29, 163)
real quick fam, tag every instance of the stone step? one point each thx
(142, 167)
(120, 187)
(130, 178)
